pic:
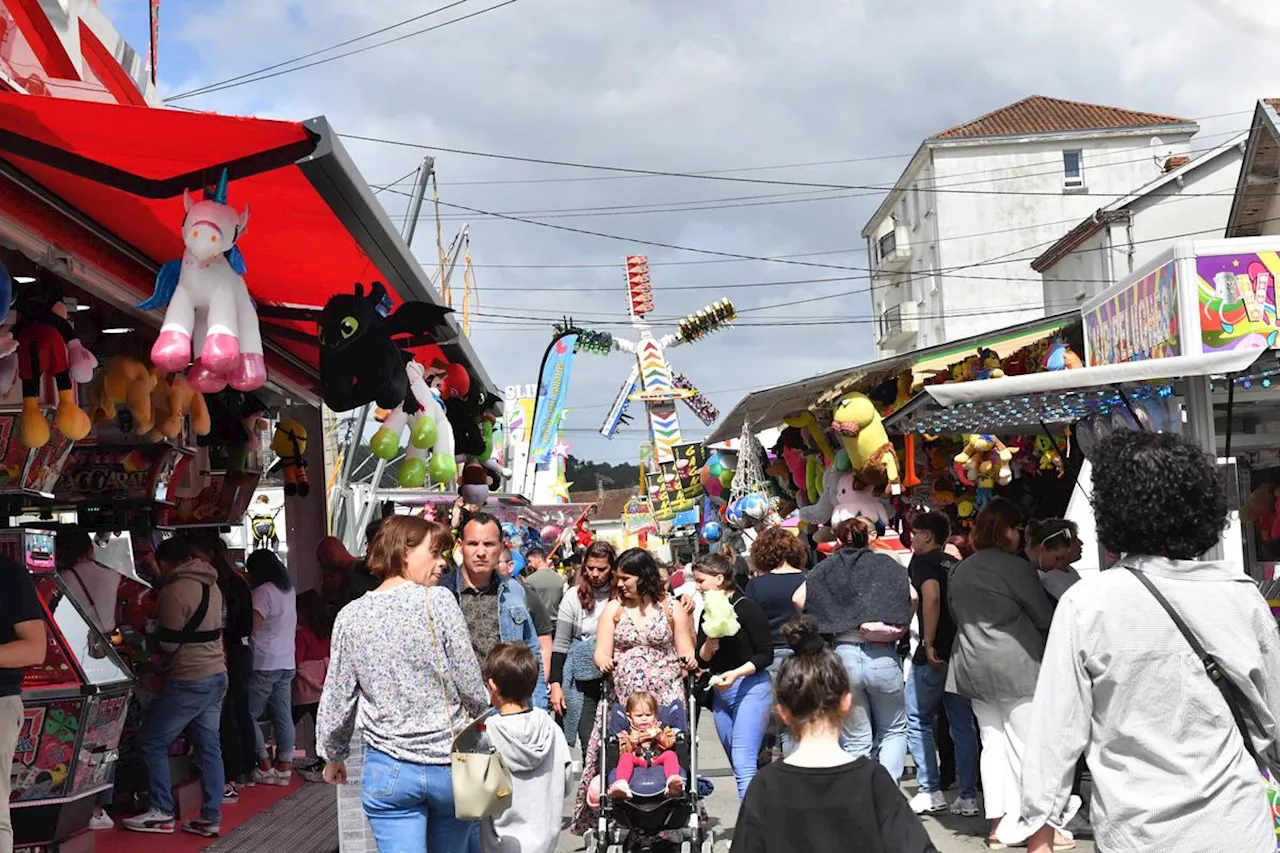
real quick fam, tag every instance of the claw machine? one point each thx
(74, 707)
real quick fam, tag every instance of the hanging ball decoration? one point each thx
(726, 479)
(711, 531)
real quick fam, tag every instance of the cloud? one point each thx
(714, 84)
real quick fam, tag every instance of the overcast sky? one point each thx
(692, 85)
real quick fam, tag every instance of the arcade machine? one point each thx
(74, 709)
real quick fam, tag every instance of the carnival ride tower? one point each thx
(651, 381)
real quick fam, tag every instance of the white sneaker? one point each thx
(965, 807)
(928, 802)
(280, 778)
(101, 821)
(152, 820)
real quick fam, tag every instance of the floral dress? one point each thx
(644, 659)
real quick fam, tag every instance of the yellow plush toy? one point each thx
(986, 458)
(865, 440)
(127, 382)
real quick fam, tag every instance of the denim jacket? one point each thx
(515, 624)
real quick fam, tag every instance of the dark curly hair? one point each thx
(1156, 494)
(639, 564)
(775, 546)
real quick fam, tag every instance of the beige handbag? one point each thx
(481, 780)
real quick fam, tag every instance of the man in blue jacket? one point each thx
(495, 607)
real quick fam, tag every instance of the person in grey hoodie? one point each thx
(535, 751)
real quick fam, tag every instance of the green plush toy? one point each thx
(718, 616)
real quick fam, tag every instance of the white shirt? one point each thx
(1058, 582)
(273, 641)
(1121, 684)
(95, 587)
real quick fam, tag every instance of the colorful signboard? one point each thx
(102, 474)
(1139, 322)
(1237, 300)
(637, 517)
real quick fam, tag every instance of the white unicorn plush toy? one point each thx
(208, 304)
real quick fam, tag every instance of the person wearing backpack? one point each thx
(1175, 755)
(190, 633)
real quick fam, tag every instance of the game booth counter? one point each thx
(840, 451)
(74, 709)
(1187, 343)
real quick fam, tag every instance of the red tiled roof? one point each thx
(1038, 114)
(611, 507)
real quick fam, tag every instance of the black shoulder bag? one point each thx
(1236, 701)
(188, 633)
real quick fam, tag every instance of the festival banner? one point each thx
(1138, 323)
(553, 388)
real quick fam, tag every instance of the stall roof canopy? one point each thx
(315, 227)
(1017, 403)
(767, 408)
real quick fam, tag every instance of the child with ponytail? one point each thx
(819, 798)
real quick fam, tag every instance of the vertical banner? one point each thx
(153, 55)
(553, 388)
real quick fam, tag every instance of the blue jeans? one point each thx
(179, 704)
(879, 716)
(741, 715)
(925, 692)
(271, 690)
(784, 736)
(410, 806)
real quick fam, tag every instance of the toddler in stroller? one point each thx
(646, 744)
(648, 760)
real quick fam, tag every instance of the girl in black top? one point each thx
(820, 799)
(741, 693)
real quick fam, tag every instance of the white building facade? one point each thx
(950, 246)
(1192, 200)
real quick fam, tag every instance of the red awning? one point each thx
(314, 228)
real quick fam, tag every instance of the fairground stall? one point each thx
(838, 448)
(93, 198)
(1184, 344)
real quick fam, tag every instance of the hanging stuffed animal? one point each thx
(1050, 457)
(864, 438)
(986, 457)
(290, 443)
(850, 501)
(360, 360)
(807, 422)
(1062, 357)
(208, 313)
(473, 485)
(125, 382)
(171, 402)
(430, 429)
(49, 346)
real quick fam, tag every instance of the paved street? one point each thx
(950, 834)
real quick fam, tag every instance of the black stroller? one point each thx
(650, 821)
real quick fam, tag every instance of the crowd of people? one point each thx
(1161, 674)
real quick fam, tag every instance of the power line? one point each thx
(693, 175)
(281, 72)
(881, 188)
(199, 90)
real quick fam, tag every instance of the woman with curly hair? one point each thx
(644, 643)
(575, 682)
(1120, 683)
(1002, 616)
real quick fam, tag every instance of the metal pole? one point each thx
(342, 493)
(365, 514)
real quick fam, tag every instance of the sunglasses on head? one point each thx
(1064, 532)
